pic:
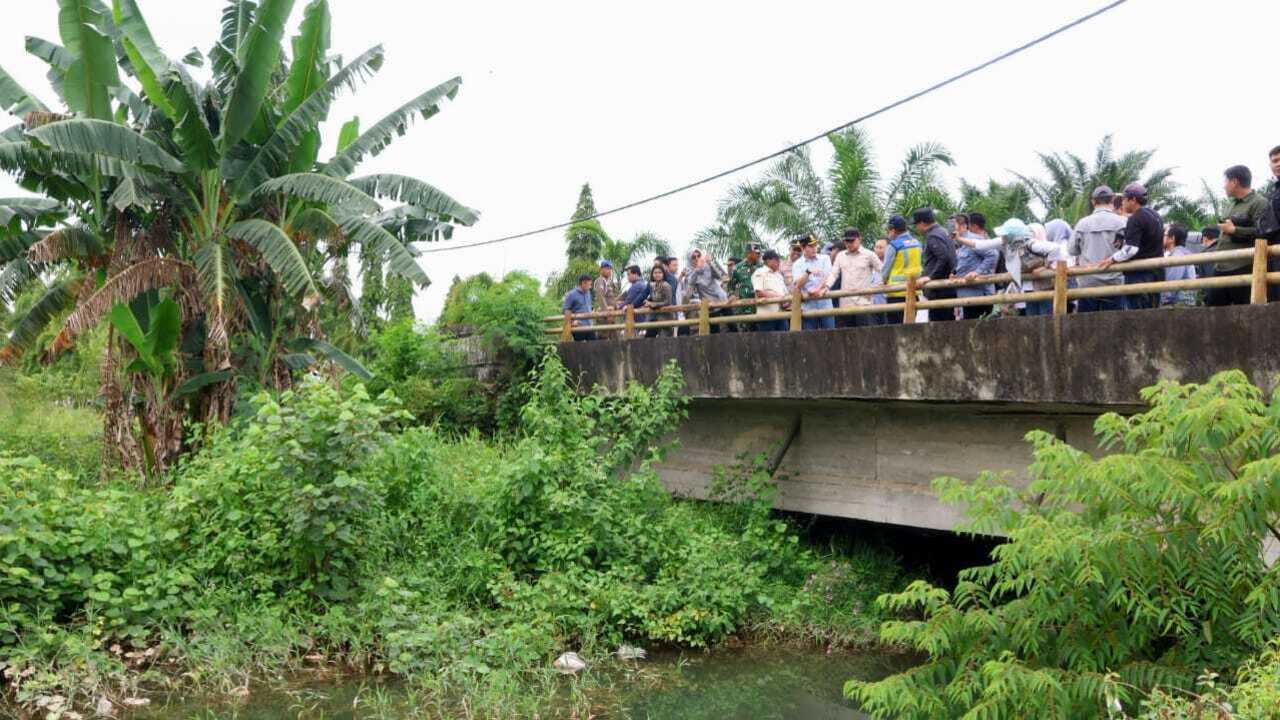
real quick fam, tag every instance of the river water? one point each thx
(753, 683)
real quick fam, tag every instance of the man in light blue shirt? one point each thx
(809, 273)
(1175, 245)
(578, 301)
(971, 263)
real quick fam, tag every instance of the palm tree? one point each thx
(1070, 180)
(997, 202)
(156, 185)
(1199, 212)
(637, 250)
(794, 198)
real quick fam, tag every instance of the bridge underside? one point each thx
(872, 461)
(883, 411)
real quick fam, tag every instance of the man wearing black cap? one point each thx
(809, 274)
(901, 261)
(939, 261)
(740, 287)
(1143, 240)
(854, 268)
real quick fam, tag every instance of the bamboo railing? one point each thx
(627, 319)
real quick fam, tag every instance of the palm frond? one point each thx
(259, 56)
(16, 99)
(106, 139)
(280, 252)
(400, 188)
(143, 276)
(399, 259)
(74, 241)
(16, 245)
(320, 188)
(316, 223)
(15, 275)
(374, 140)
(217, 274)
(55, 301)
(273, 155)
(146, 61)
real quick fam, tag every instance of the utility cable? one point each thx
(739, 168)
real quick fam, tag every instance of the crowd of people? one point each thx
(1122, 228)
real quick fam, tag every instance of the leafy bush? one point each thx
(66, 550)
(1137, 570)
(282, 507)
(425, 371)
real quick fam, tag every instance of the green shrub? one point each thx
(282, 507)
(1137, 570)
(426, 371)
(67, 551)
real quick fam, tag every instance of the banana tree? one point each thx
(212, 190)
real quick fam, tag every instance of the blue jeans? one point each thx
(1040, 307)
(773, 326)
(822, 323)
(1142, 301)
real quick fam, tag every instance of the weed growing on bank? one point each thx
(325, 530)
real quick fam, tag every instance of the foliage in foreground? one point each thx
(1137, 571)
(322, 527)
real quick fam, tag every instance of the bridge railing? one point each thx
(628, 320)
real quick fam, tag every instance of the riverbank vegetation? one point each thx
(1136, 583)
(328, 527)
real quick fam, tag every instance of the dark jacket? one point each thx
(636, 294)
(939, 260)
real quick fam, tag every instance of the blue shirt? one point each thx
(818, 268)
(982, 262)
(577, 301)
(636, 294)
(1180, 272)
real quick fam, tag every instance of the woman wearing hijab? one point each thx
(1026, 249)
(1060, 232)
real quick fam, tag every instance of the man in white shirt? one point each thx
(855, 269)
(769, 283)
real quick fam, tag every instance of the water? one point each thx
(754, 683)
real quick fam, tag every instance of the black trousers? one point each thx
(941, 314)
(893, 317)
(1222, 297)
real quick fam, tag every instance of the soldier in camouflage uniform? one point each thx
(740, 287)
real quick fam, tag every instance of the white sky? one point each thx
(640, 97)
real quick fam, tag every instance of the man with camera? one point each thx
(1239, 230)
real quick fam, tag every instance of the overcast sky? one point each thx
(640, 97)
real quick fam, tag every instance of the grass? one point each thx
(62, 432)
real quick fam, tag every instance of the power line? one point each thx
(738, 168)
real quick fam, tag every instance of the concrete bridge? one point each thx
(868, 417)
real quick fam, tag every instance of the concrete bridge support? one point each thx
(883, 411)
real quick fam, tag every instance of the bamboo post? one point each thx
(909, 307)
(631, 322)
(566, 330)
(704, 316)
(797, 310)
(1258, 292)
(1060, 288)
